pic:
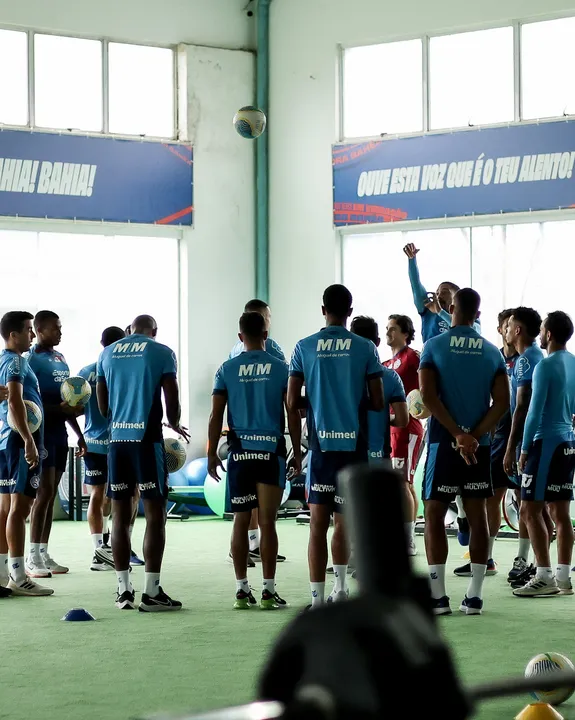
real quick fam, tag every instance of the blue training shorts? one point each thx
(322, 487)
(137, 463)
(548, 474)
(447, 474)
(246, 469)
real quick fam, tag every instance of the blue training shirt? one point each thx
(51, 369)
(96, 432)
(133, 369)
(522, 374)
(15, 368)
(552, 403)
(432, 324)
(466, 366)
(271, 347)
(254, 383)
(335, 365)
(378, 423)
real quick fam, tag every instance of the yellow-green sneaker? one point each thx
(242, 601)
(269, 601)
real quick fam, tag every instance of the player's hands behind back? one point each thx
(410, 250)
(467, 446)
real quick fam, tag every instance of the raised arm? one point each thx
(419, 292)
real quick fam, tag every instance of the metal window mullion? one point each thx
(517, 90)
(105, 88)
(31, 81)
(425, 85)
(341, 99)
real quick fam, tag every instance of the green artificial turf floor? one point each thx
(129, 664)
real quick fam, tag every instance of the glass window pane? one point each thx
(488, 276)
(14, 84)
(18, 271)
(383, 89)
(546, 70)
(141, 90)
(68, 82)
(471, 78)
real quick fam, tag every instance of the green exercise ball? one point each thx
(418, 479)
(215, 494)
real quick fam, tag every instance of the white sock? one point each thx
(243, 585)
(409, 530)
(98, 540)
(491, 543)
(124, 583)
(545, 574)
(317, 593)
(105, 524)
(4, 573)
(270, 586)
(43, 551)
(254, 538)
(152, 584)
(17, 570)
(475, 587)
(131, 531)
(563, 572)
(340, 578)
(524, 547)
(460, 510)
(35, 551)
(437, 581)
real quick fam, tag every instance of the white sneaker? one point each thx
(565, 587)
(338, 596)
(4, 580)
(54, 567)
(35, 568)
(29, 588)
(537, 587)
(411, 548)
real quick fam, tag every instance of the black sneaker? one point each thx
(106, 538)
(230, 559)
(104, 553)
(255, 556)
(441, 606)
(126, 601)
(519, 568)
(471, 606)
(5, 592)
(251, 598)
(523, 579)
(463, 531)
(160, 603)
(280, 601)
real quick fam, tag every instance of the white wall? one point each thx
(220, 248)
(221, 23)
(302, 126)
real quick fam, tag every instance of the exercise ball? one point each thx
(195, 472)
(215, 493)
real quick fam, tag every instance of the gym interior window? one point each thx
(546, 68)
(383, 89)
(141, 83)
(471, 78)
(14, 84)
(68, 83)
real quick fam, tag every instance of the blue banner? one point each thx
(72, 177)
(517, 168)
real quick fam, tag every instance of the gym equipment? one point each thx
(186, 491)
(510, 510)
(78, 615)
(73, 497)
(215, 494)
(350, 659)
(539, 711)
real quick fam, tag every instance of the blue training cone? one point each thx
(78, 615)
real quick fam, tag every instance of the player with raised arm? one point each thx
(523, 328)
(547, 460)
(20, 460)
(96, 435)
(464, 386)
(336, 366)
(51, 369)
(252, 386)
(132, 374)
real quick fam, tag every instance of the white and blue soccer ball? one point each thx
(250, 122)
(175, 454)
(75, 391)
(543, 664)
(415, 405)
(33, 416)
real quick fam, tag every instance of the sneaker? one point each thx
(29, 589)
(135, 560)
(491, 568)
(411, 548)
(104, 553)
(243, 601)
(5, 591)
(99, 565)
(465, 570)
(538, 588)
(252, 598)
(463, 531)
(471, 606)
(280, 601)
(523, 579)
(339, 596)
(126, 601)
(519, 567)
(35, 568)
(353, 575)
(565, 587)
(251, 563)
(160, 603)
(106, 538)
(440, 606)
(256, 557)
(268, 601)
(54, 567)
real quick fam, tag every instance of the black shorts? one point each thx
(15, 471)
(137, 463)
(447, 474)
(96, 472)
(322, 471)
(247, 468)
(55, 454)
(499, 478)
(548, 474)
